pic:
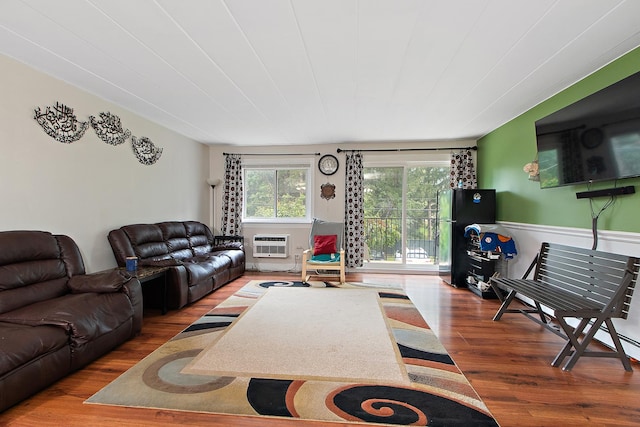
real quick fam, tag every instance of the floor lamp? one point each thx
(213, 182)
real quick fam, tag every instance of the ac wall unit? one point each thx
(271, 246)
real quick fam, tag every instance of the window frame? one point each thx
(265, 163)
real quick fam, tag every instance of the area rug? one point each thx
(307, 350)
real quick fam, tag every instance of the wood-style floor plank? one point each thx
(507, 362)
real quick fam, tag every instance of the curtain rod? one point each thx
(339, 150)
(272, 154)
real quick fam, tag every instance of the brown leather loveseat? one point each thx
(54, 318)
(196, 266)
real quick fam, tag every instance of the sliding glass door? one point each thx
(400, 204)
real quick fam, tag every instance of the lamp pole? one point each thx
(213, 182)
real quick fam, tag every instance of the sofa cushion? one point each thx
(21, 344)
(200, 245)
(84, 316)
(32, 268)
(200, 237)
(175, 235)
(204, 267)
(147, 240)
(237, 257)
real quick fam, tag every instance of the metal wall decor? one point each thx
(145, 151)
(327, 191)
(109, 129)
(60, 123)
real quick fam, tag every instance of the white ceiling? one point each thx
(278, 72)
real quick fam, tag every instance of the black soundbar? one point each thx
(608, 192)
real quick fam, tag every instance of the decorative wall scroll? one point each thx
(109, 129)
(60, 123)
(146, 152)
(327, 191)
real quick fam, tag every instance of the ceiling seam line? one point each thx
(306, 54)
(39, 46)
(158, 56)
(511, 49)
(437, 81)
(544, 63)
(180, 73)
(404, 60)
(218, 67)
(262, 64)
(106, 15)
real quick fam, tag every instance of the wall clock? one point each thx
(593, 137)
(328, 164)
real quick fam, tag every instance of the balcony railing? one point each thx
(383, 237)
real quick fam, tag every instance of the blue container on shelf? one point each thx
(132, 263)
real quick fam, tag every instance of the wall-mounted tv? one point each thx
(594, 139)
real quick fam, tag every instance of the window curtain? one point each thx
(232, 201)
(354, 210)
(462, 173)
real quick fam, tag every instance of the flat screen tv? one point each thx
(594, 139)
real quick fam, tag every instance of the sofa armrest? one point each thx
(133, 289)
(102, 282)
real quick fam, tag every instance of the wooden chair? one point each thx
(318, 257)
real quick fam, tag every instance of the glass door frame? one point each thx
(405, 161)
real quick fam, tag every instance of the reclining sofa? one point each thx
(54, 318)
(196, 266)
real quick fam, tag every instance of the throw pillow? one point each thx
(325, 244)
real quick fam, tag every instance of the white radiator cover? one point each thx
(271, 246)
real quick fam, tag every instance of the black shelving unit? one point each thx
(481, 265)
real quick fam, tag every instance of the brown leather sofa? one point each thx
(54, 318)
(196, 266)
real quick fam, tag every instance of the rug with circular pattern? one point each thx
(438, 393)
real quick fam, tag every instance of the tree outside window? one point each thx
(276, 193)
(400, 204)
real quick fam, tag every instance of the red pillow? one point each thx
(325, 244)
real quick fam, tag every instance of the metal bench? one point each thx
(584, 284)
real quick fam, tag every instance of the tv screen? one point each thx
(594, 139)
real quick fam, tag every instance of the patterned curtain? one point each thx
(232, 201)
(354, 210)
(462, 170)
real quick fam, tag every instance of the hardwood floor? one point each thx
(507, 362)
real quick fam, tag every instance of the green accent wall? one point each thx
(503, 153)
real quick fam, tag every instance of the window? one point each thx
(276, 192)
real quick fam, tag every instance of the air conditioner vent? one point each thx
(271, 246)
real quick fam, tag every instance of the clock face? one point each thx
(328, 164)
(593, 137)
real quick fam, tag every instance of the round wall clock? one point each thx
(593, 137)
(328, 164)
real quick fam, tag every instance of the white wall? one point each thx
(86, 188)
